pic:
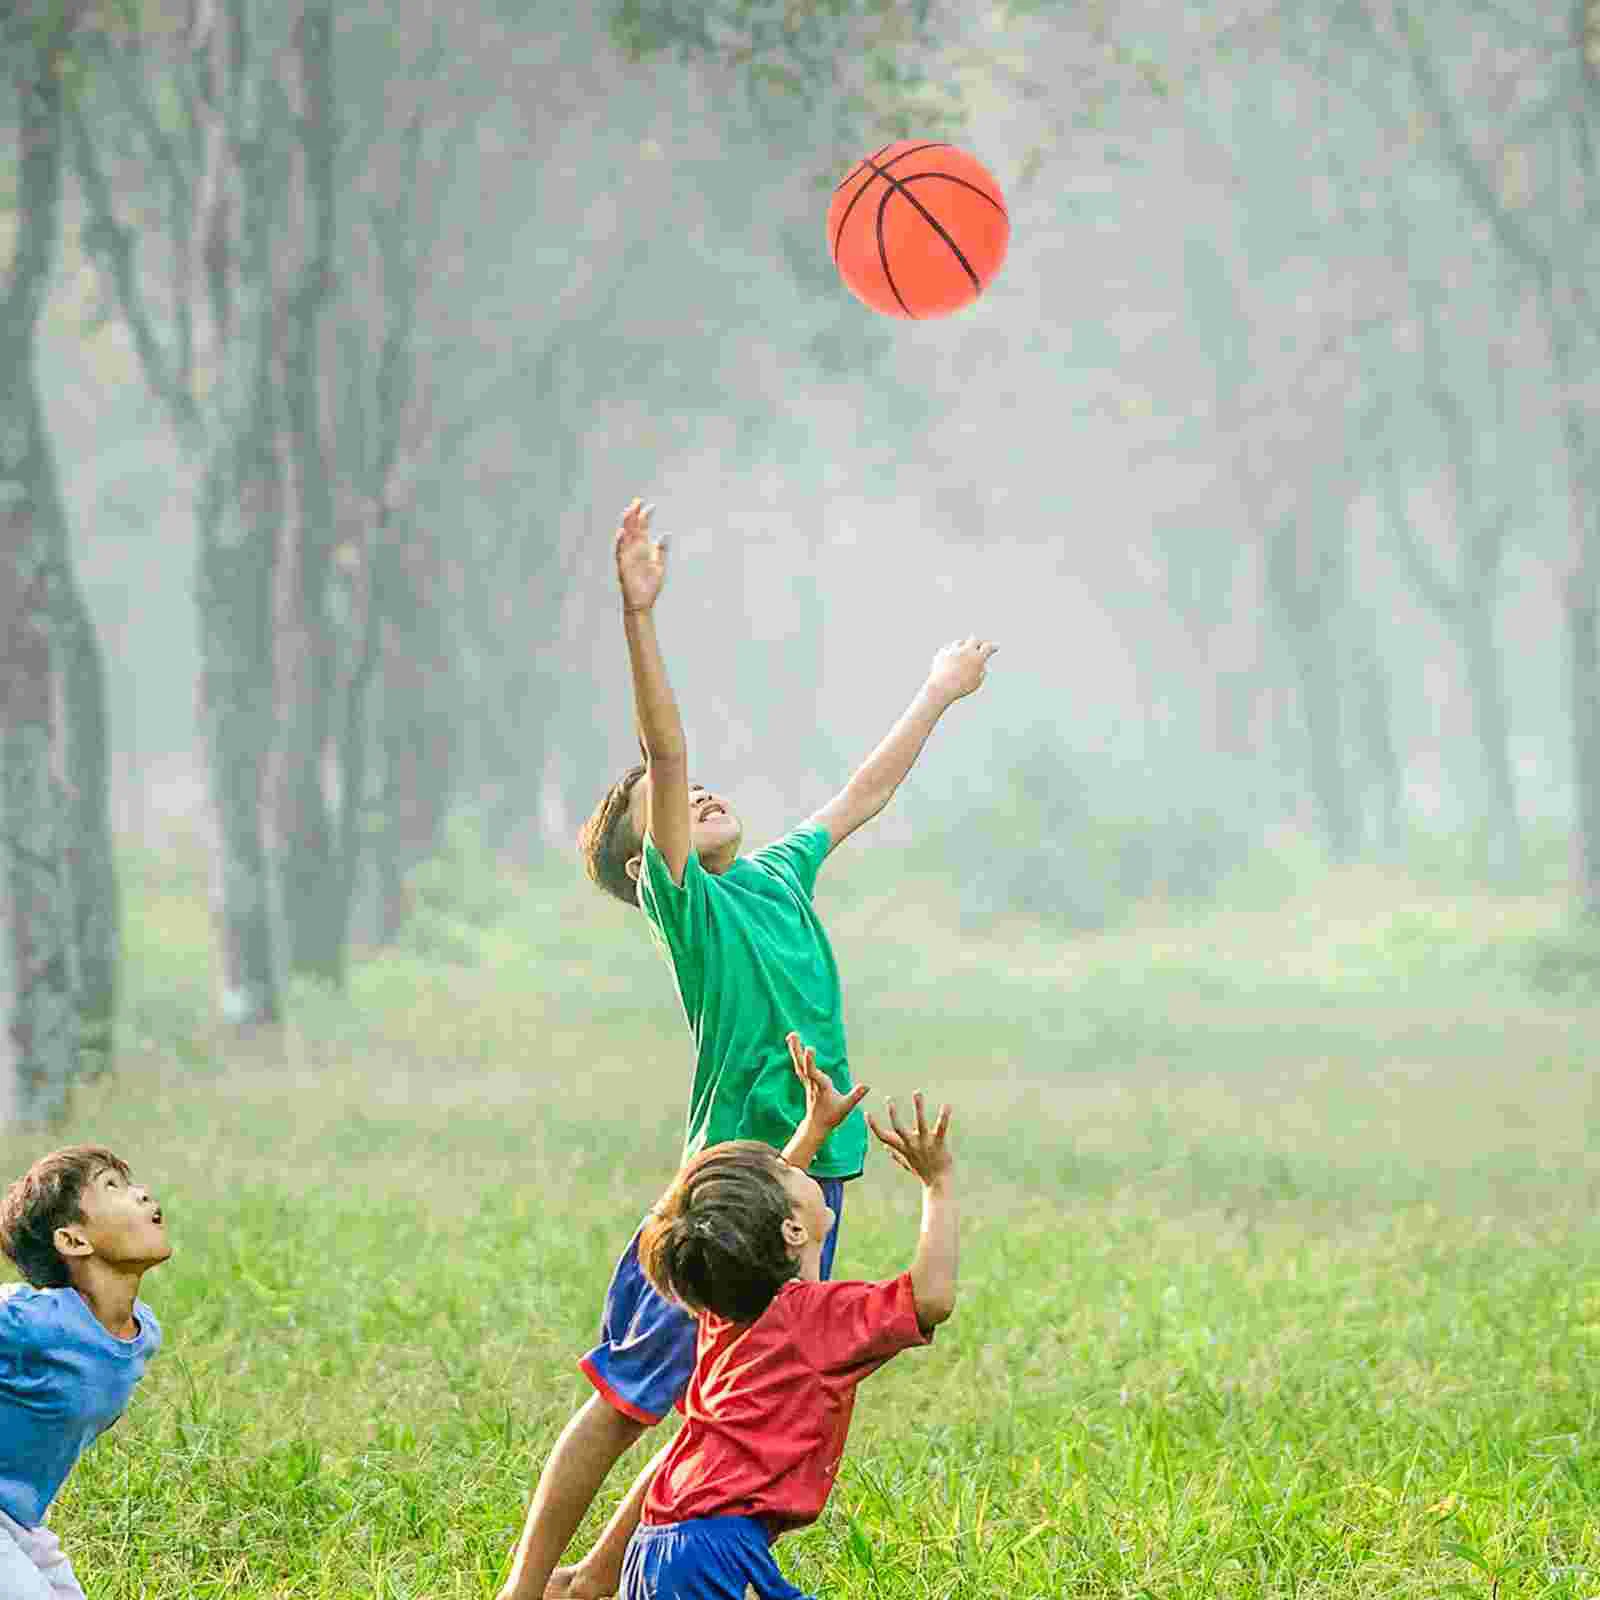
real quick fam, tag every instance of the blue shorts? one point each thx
(645, 1357)
(709, 1558)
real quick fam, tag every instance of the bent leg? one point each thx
(586, 1451)
(600, 1572)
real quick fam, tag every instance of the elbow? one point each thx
(934, 1309)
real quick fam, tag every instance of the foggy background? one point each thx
(1257, 458)
(1035, 470)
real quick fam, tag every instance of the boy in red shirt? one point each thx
(738, 1240)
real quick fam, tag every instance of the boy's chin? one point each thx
(719, 852)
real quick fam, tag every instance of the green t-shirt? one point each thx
(752, 964)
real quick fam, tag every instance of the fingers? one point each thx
(894, 1119)
(803, 1057)
(890, 1141)
(918, 1137)
(856, 1096)
(636, 519)
(891, 1144)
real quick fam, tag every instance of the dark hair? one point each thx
(46, 1197)
(607, 839)
(715, 1239)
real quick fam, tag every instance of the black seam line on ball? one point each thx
(950, 177)
(877, 171)
(902, 186)
(865, 162)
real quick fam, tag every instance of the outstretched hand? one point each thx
(921, 1150)
(826, 1108)
(959, 668)
(641, 560)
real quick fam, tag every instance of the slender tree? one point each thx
(44, 869)
(197, 290)
(300, 820)
(1545, 222)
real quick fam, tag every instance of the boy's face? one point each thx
(714, 831)
(810, 1220)
(119, 1223)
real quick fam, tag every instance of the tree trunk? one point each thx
(238, 519)
(1306, 582)
(1491, 718)
(1374, 695)
(236, 226)
(417, 736)
(300, 813)
(38, 969)
(1469, 603)
(1583, 677)
(91, 853)
(38, 987)
(1581, 599)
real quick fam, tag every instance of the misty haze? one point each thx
(1243, 901)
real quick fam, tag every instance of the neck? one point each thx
(110, 1293)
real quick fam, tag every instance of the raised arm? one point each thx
(826, 1108)
(641, 569)
(957, 670)
(922, 1151)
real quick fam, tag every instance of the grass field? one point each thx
(1280, 1273)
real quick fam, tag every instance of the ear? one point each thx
(795, 1237)
(633, 866)
(69, 1241)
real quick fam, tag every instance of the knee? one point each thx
(605, 1418)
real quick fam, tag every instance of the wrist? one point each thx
(813, 1131)
(803, 1144)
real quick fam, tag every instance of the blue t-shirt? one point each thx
(63, 1381)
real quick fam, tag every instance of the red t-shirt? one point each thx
(768, 1407)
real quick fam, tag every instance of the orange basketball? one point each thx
(918, 229)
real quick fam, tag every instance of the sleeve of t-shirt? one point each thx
(19, 1327)
(677, 912)
(796, 856)
(152, 1328)
(850, 1329)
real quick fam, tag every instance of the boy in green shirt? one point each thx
(752, 964)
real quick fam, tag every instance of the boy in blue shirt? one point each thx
(752, 963)
(74, 1341)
